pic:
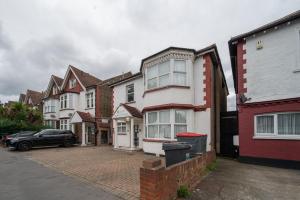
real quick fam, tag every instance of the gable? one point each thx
(78, 87)
(121, 112)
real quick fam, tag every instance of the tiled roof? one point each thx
(36, 97)
(58, 80)
(85, 78)
(86, 117)
(133, 111)
(117, 78)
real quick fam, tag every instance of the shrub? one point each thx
(212, 166)
(183, 192)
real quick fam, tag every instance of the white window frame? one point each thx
(65, 124)
(66, 101)
(158, 76)
(121, 125)
(127, 86)
(178, 123)
(274, 135)
(72, 83)
(89, 100)
(54, 91)
(180, 72)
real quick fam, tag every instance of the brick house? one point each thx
(81, 103)
(176, 90)
(33, 99)
(266, 71)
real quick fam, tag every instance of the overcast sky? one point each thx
(105, 38)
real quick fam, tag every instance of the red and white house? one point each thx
(176, 90)
(266, 71)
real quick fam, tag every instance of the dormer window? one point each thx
(54, 92)
(72, 83)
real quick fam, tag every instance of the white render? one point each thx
(191, 94)
(273, 72)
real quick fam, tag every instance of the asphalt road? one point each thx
(22, 179)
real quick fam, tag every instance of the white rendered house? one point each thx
(176, 90)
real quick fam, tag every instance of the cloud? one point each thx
(106, 38)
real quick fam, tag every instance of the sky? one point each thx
(39, 38)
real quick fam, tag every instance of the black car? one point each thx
(48, 137)
(7, 138)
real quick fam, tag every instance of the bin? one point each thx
(176, 152)
(197, 140)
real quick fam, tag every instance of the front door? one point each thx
(136, 135)
(104, 137)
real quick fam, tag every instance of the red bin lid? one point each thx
(189, 134)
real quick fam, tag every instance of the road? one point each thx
(22, 179)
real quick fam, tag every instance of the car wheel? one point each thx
(67, 144)
(24, 146)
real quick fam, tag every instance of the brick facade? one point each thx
(160, 183)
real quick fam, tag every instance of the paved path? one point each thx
(234, 180)
(22, 179)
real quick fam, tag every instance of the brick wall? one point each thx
(160, 183)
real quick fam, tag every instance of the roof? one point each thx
(22, 97)
(133, 111)
(232, 42)
(86, 117)
(85, 78)
(35, 96)
(129, 78)
(287, 18)
(117, 78)
(58, 80)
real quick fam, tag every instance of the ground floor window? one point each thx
(121, 127)
(65, 124)
(278, 124)
(164, 124)
(50, 123)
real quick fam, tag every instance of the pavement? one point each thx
(233, 180)
(23, 179)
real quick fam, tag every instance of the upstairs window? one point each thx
(130, 92)
(179, 72)
(89, 100)
(158, 75)
(66, 101)
(72, 83)
(55, 90)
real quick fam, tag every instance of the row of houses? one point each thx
(185, 90)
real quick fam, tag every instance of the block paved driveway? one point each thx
(234, 180)
(116, 172)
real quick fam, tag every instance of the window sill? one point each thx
(166, 87)
(121, 133)
(277, 137)
(49, 112)
(159, 140)
(89, 108)
(66, 109)
(131, 102)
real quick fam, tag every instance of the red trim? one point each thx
(207, 81)
(174, 105)
(273, 102)
(189, 134)
(166, 87)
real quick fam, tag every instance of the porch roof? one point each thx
(133, 111)
(82, 117)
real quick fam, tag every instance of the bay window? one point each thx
(160, 74)
(66, 101)
(278, 125)
(164, 124)
(49, 106)
(89, 100)
(121, 128)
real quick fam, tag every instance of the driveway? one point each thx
(234, 180)
(22, 179)
(116, 172)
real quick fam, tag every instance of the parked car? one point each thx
(7, 138)
(44, 138)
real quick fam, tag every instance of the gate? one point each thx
(229, 128)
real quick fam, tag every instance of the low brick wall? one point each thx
(160, 183)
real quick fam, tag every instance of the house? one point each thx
(266, 71)
(51, 102)
(34, 99)
(22, 98)
(176, 90)
(82, 103)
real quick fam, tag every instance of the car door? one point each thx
(50, 138)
